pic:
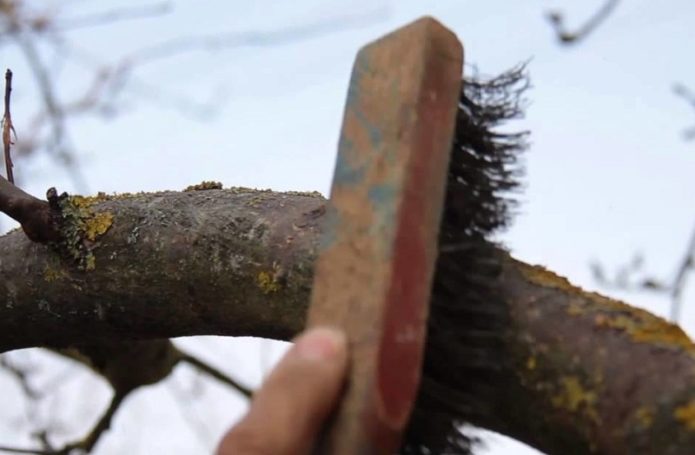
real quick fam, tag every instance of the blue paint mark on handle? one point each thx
(346, 173)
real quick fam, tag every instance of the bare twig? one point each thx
(104, 423)
(8, 449)
(115, 15)
(22, 377)
(565, 36)
(7, 127)
(53, 108)
(627, 277)
(24, 27)
(689, 97)
(215, 373)
(216, 41)
(86, 444)
(685, 266)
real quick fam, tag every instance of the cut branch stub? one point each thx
(39, 221)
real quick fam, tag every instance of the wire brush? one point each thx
(463, 353)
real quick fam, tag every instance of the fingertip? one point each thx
(320, 344)
(287, 412)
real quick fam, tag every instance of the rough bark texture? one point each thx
(585, 374)
(590, 374)
(227, 262)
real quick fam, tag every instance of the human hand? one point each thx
(288, 411)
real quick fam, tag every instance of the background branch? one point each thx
(689, 97)
(565, 36)
(30, 28)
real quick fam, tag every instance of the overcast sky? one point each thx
(608, 172)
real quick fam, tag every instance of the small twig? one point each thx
(104, 423)
(685, 266)
(215, 373)
(115, 15)
(623, 279)
(557, 20)
(684, 92)
(22, 376)
(8, 449)
(282, 36)
(88, 442)
(54, 109)
(7, 127)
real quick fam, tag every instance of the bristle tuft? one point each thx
(467, 317)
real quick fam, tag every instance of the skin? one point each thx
(287, 413)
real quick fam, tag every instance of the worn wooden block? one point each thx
(374, 270)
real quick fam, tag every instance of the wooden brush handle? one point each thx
(374, 269)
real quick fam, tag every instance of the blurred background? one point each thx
(125, 96)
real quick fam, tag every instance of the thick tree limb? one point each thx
(582, 373)
(600, 376)
(232, 262)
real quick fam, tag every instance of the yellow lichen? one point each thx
(267, 283)
(315, 194)
(646, 328)
(51, 274)
(97, 225)
(81, 228)
(544, 277)
(639, 324)
(531, 363)
(686, 415)
(244, 190)
(92, 225)
(90, 262)
(575, 309)
(257, 199)
(204, 185)
(574, 397)
(645, 416)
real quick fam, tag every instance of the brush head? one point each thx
(463, 354)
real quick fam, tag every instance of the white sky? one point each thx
(608, 173)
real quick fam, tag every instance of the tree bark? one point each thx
(232, 262)
(584, 374)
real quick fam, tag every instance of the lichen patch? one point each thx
(204, 185)
(571, 395)
(685, 415)
(645, 416)
(267, 282)
(81, 228)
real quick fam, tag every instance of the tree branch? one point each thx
(686, 265)
(37, 217)
(581, 373)
(8, 128)
(114, 15)
(684, 92)
(171, 264)
(211, 371)
(565, 36)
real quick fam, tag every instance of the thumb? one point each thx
(287, 412)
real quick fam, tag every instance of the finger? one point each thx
(287, 412)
